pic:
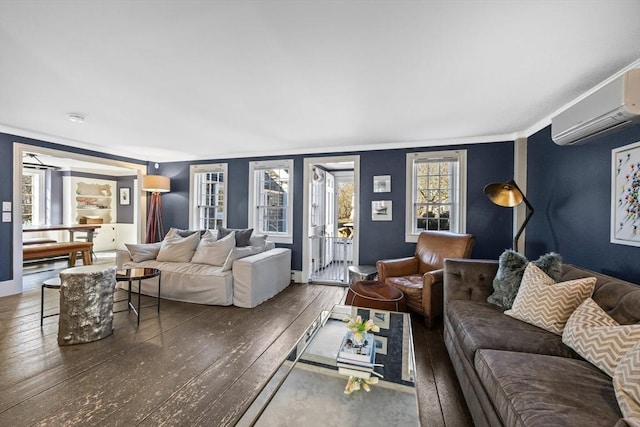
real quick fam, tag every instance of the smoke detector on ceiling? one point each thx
(76, 117)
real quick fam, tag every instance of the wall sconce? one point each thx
(509, 195)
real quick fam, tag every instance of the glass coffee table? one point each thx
(139, 274)
(309, 388)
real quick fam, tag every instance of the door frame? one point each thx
(15, 285)
(306, 249)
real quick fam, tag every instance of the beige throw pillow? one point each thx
(143, 252)
(597, 337)
(626, 383)
(237, 253)
(178, 249)
(546, 304)
(214, 252)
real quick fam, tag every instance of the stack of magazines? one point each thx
(354, 360)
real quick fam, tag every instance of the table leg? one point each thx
(86, 257)
(139, 298)
(159, 279)
(129, 297)
(72, 258)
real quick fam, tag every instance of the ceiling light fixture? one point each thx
(76, 117)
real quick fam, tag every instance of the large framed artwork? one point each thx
(625, 195)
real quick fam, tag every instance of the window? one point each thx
(209, 196)
(32, 197)
(271, 199)
(436, 191)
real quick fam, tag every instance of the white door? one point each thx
(329, 218)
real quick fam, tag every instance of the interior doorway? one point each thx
(331, 206)
(36, 163)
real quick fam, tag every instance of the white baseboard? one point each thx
(296, 276)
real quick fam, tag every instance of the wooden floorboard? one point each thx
(188, 365)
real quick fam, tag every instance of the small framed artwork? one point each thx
(382, 184)
(125, 196)
(380, 318)
(381, 210)
(381, 344)
(625, 195)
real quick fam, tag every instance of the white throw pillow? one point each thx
(546, 304)
(258, 240)
(597, 337)
(626, 383)
(237, 253)
(214, 252)
(144, 251)
(178, 249)
(209, 236)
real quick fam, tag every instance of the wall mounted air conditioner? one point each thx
(615, 104)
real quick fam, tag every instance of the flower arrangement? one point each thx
(356, 383)
(360, 327)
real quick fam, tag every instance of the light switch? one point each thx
(6, 216)
(6, 206)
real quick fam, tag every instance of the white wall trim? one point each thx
(520, 177)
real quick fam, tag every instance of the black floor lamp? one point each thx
(509, 195)
(155, 184)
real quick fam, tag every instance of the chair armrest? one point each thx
(397, 267)
(468, 279)
(122, 257)
(432, 299)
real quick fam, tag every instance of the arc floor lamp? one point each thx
(155, 184)
(509, 195)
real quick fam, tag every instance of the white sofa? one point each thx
(250, 281)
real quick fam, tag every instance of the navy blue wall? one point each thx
(378, 239)
(570, 188)
(6, 195)
(6, 189)
(124, 213)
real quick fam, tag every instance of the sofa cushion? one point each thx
(243, 235)
(178, 249)
(184, 268)
(626, 382)
(478, 324)
(214, 252)
(143, 252)
(511, 266)
(546, 304)
(594, 335)
(540, 390)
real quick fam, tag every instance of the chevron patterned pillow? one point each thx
(597, 337)
(626, 383)
(546, 304)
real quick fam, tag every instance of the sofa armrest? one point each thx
(257, 278)
(122, 257)
(468, 279)
(397, 267)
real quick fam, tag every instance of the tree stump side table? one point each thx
(86, 304)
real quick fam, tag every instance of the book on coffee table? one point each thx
(362, 354)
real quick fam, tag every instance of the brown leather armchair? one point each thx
(420, 276)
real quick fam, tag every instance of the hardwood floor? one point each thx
(190, 365)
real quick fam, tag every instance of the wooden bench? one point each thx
(36, 240)
(49, 250)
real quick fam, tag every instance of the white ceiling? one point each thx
(180, 80)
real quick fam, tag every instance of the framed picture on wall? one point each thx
(125, 196)
(381, 210)
(625, 195)
(382, 184)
